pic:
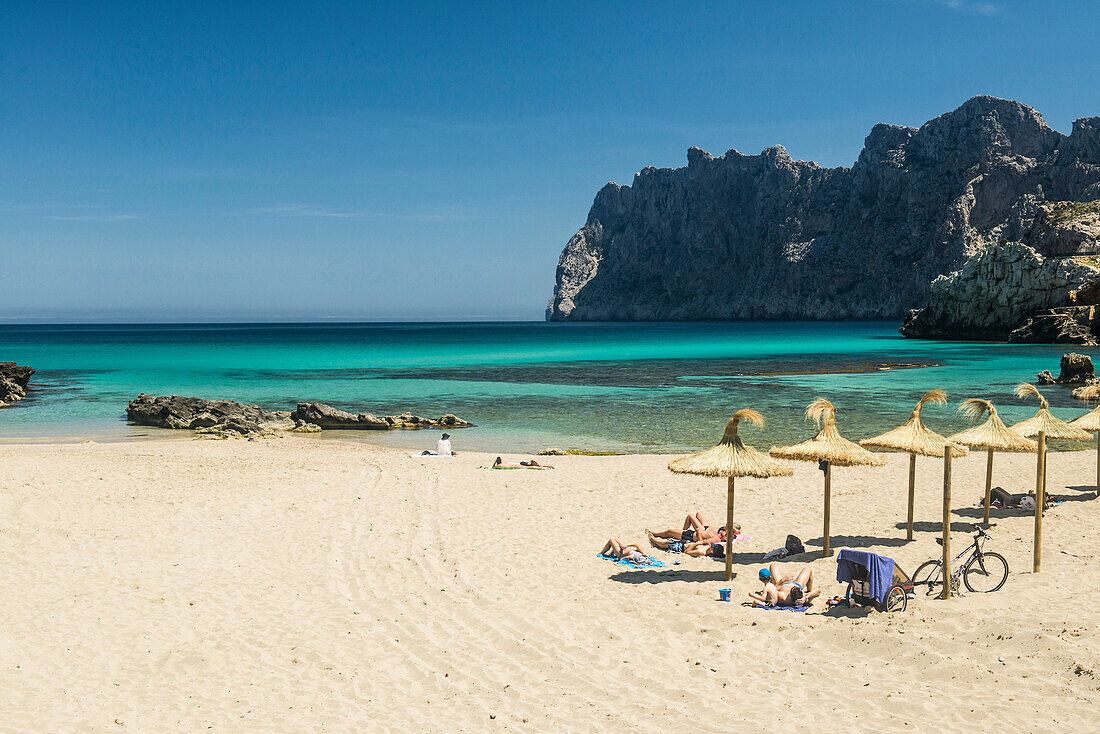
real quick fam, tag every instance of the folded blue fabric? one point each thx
(879, 570)
(653, 562)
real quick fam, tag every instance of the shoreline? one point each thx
(322, 584)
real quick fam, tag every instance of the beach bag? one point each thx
(794, 546)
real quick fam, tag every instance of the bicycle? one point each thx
(979, 570)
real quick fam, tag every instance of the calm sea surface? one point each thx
(527, 386)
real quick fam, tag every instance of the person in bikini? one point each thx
(696, 528)
(532, 464)
(785, 591)
(626, 552)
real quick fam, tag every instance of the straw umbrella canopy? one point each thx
(731, 458)
(1044, 420)
(830, 447)
(1090, 421)
(915, 438)
(992, 435)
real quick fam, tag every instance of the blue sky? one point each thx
(429, 161)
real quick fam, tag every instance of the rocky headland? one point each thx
(14, 381)
(1007, 292)
(768, 237)
(229, 418)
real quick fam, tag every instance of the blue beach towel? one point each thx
(801, 608)
(653, 562)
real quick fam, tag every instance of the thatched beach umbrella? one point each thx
(1090, 421)
(1044, 420)
(731, 458)
(830, 447)
(993, 435)
(915, 438)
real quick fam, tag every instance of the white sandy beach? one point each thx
(317, 585)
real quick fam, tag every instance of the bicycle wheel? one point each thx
(896, 600)
(930, 575)
(986, 573)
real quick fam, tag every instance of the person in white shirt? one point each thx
(443, 447)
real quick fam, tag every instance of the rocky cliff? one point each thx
(995, 292)
(766, 236)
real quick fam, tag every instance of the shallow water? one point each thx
(531, 385)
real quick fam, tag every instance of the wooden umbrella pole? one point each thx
(946, 525)
(1040, 470)
(912, 493)
(729, 530)
(826, 552)
(1098, 463)
(988, 486)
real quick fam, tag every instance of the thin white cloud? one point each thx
(302, 210)
(99, 218)
(965, 6)
(308, 210)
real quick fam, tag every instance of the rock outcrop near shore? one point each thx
(996, 294)
(766, 236)
(14, 381)
(174, 411)
(228, 417)
(326, 416)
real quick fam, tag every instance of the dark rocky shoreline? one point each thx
(14, 381)
(229, 418)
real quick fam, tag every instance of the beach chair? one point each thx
(873, 581)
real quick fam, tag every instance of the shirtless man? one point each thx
(696, 528)
(785, 591)
(695, 549)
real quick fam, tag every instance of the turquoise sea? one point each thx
(628, 387)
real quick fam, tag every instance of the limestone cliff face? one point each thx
(765, 236)
(995, 291)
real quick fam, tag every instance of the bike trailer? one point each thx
(873, 580)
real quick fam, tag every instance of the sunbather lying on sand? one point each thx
(998, 497)
(785, 591)
(696, 528)
(532, 464)
(628, 552)
(695, 549)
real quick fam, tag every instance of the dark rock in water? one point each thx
(1076, 369)
(1056, 326)
(224, 418)
(14, 381)
(174, 411)
(765, 236)
(326, 416)
(1044, 378)
(19, 374)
